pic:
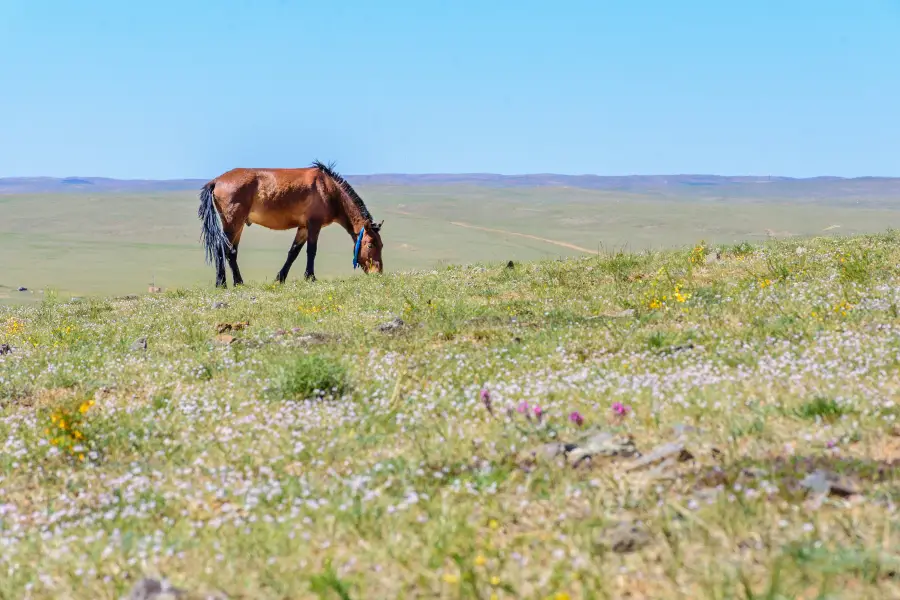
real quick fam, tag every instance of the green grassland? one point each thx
(81, 244)
(678, 424)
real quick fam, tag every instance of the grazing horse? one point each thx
(307, 199)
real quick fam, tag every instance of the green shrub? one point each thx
(309, 376)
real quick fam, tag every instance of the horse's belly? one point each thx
(273, 221)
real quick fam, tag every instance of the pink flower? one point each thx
(538, 412)
(486, 400)
(523, 407)
(620, 409)
(576, 418)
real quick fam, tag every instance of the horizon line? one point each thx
(465, 174)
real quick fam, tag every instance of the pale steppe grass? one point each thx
(310, 454)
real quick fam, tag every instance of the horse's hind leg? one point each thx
(293, 253)
(235, 239)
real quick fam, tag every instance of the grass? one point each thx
(309, 454)
(112, 244)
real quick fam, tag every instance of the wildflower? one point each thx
(576, 418)
(480, 560)
(493, 524)
(495, 580)
(486, 400)
(523, 407)
(538, 412)
(561, 596)
(450, 578)
(620, 409)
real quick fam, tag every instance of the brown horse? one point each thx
(306, 199)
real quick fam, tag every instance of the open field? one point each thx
(654, 425)
(111, 243)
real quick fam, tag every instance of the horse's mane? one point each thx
(346, 187)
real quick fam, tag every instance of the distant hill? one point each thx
(708, 186)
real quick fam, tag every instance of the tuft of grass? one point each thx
(308, 376)
(822, 407)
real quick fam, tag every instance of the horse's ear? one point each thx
(380, 224)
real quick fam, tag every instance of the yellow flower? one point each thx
(480, 560)
(450, 578)
(561, 596)
(495, 580)
(493, 524)
(494, 596)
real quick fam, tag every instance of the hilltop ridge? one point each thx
(665, 185)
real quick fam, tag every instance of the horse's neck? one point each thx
(353, 220)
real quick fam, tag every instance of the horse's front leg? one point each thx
(311, 243)
(293, 253)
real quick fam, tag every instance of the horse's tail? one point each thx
(212, 235)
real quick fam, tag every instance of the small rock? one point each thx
(714, 256)
(602, 444)
(823, 482)
(224, 338)
(663, 453)
(223, 327)
(217, 305)
(5, 349)
(139, 344)
(392, 325)
(623, 537)
(313, 338)
(154, 589)
(546, 452)
(22, 289)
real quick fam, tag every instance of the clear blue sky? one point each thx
(190, 88)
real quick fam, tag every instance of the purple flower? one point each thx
(486, 400)
(523, 407)
(538, 412)
(620, 409)
(576, 418)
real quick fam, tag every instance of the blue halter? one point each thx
(358, 246)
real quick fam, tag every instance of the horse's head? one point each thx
(370, 249)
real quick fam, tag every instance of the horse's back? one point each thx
(274, 198)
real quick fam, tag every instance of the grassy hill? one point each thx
(115, 243)
(657, 425)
